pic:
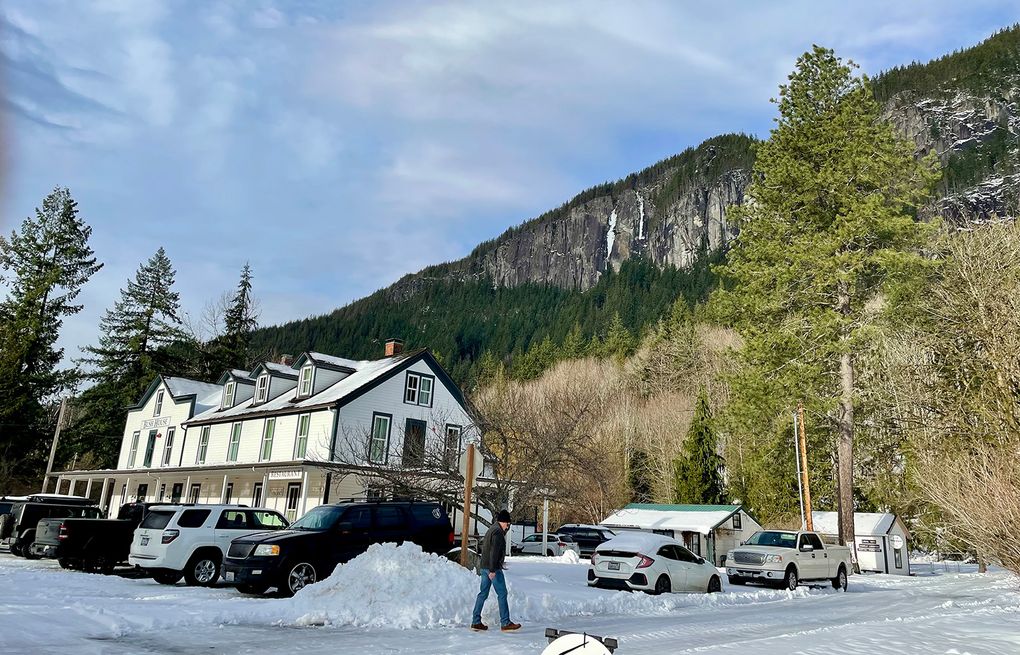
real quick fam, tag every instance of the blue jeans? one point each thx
(499, 582)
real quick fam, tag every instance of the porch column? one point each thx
(223, 491)
(103, 495)
(70, 486)
(265, 488)
(186, 496)
(127, 491)
(88, 488)
(304, 491)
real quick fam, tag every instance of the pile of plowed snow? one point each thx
(403, 587)
(392, 586)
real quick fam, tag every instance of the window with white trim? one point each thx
(380, 438)
(228, 394)
(168, 447)
(159, 402)
(301, 442)
(268, 430)
(451, 453)
(203, 445)
(262, 388)
(235, 442)
(418, 389)
(305, 383)
(133, 452)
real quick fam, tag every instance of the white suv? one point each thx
(191, 540)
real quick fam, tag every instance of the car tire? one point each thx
(15, 550)
(166, 577)
(203, 569)
(296, 577)
(64, 563)
(252, 589)
(839, 582)
(714, 585)
(549, 553)
(663, 585)
(28, 554)
(737, 580)
(790, 580)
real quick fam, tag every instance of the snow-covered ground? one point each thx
(399, 600)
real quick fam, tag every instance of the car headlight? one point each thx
(773, 558)
(267, 550)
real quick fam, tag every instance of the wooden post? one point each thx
(469, 480)
(804, 468)
(53, 446)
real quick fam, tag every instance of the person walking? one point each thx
(490, 568)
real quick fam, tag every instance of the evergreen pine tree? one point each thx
(639, 476)
(44, 266)
(698, 478)
(573, 343)
(831, 226)
(619, 341)
(233, 348)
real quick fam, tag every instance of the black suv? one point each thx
(19, 526)
(329, 535)
(587, 537)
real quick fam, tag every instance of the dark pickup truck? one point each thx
(89, 544)
(17, 529)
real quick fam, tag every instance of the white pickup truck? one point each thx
(785, 559)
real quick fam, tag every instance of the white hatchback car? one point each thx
(192, 540)
(640, 561)
(556, 545)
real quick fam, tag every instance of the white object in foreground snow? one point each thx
(576, 643)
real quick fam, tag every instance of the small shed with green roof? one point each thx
(707, 530)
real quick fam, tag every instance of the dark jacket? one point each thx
(493, 550)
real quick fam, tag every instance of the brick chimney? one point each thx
(394, 347)
(286, 360)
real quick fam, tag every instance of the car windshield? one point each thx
(320, 518)
(779, 539)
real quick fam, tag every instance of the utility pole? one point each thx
(53, 446)
(800, 486)
(804, 468)
(469, 480)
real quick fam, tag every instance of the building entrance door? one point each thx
(293, 498)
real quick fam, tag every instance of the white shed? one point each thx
(708, 530)
(881, 539)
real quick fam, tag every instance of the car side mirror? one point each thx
(344, 527)
(701, 560)
(806, 548)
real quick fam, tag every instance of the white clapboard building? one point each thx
(881, 540)
(707, 530)
(274, 436)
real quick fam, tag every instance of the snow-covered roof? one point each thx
(365, 373)
(206, 395)
(280, 369)
(331, 360)
(864, 522)
(643, 542)
(240, 374)
(685, 518)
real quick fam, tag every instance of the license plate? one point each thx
(144, 541)
(614, 566)
(229, 576)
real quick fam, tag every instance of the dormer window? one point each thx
(305, 384)
(262, 388)
(159, 402)
(228, 394)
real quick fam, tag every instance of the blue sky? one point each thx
(337, 146)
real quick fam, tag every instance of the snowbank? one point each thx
(403, 587)
(391, 586)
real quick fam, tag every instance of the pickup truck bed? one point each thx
(89, 544)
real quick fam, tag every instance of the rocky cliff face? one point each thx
(964, 107)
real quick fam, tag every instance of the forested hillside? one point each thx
(460, 321)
